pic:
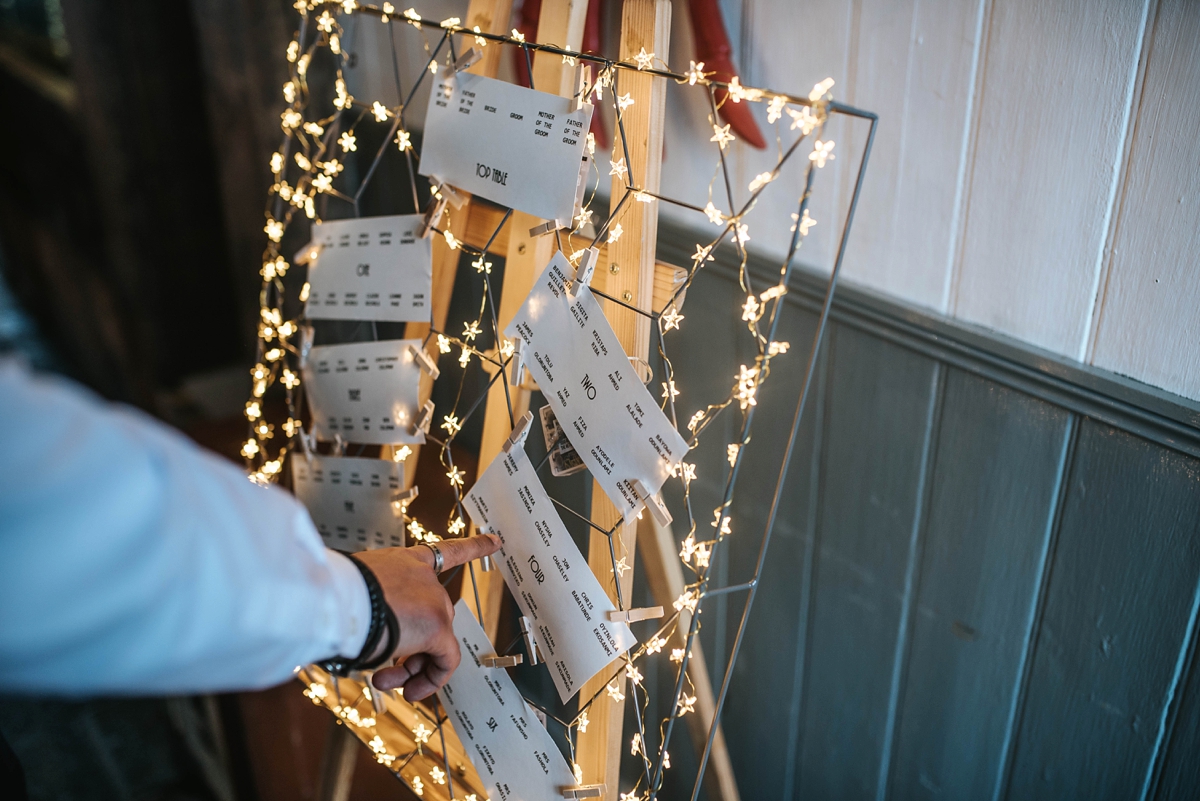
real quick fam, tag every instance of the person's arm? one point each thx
(133, 562)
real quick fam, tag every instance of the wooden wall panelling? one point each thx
(1056, 81)
(914, 65)
(764, 678)
(997, 466)
(1146, 325)
(1118, 608)
(628, 275)
(877, 431)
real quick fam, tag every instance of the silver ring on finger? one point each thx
(439, 561)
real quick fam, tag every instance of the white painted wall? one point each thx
(1036, 169)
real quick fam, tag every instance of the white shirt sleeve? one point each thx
(134, 562)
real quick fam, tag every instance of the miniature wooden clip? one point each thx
(426, 417)
(518, 361)
(583, 791)
(519, 433)
(585, 270)
(548, 227)
(467, 59)
(308, 253)
(530, 642)
(654, 502)
(634, 615)
(501, 661)
(424, 362)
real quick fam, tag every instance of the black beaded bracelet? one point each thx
(383, 622)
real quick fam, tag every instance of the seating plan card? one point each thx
(546, 573)
(512, 752)
(604, 409)
(372, 268)
(350, 500)
(515, 146)
(364, 391)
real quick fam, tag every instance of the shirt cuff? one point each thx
(355, 603)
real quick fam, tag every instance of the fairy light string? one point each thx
(319, 137)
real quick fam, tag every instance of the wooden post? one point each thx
(561, 22)
(492, 16)
(629, 275)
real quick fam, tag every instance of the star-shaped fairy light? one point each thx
(481, 266)
(403, 140)
(713, 213)
(618, 167)
(437, 775)
(348, 142)
(669, 390)
(803, 119)
(451, 424)
(820, 90)
(775, 108)
(456, 526)
(703, 253)
(643, 59)
(614, 233)
(471, 330)
(443, 343)
(421, 734)
(695, 73)
(761, 180)
(687, 703)
(582, 722)
(464, 358)
(676, 655)
(624, 101)
(401, 453)
(614, 691)
(634, 675)
(670, 318)
(731, 453)
(722, 136)
(822, 152)
(655, 645)
(635, 745)
(741, 233)
(621, 566)
(380, 111)
(456, 477)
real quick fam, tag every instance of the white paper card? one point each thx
(604, 409)
(516, 146)
(365, 391)
(511, 751)
(546, 573)
(373, 268)
(350, 500)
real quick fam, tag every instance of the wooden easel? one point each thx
(627, 269)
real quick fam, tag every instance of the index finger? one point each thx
(459, 552)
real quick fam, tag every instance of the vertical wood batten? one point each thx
(1117, 610)
(1146, 323)
(759, 683)
(915, 68)
(875, 430)
(992, 498)
(1054, 98)
(803, 589)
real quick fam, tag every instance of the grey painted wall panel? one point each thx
(1118, 606)
(994, 475)
(874, 438)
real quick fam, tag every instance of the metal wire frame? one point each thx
(613, 68)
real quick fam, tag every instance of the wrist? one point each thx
(382, 633)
